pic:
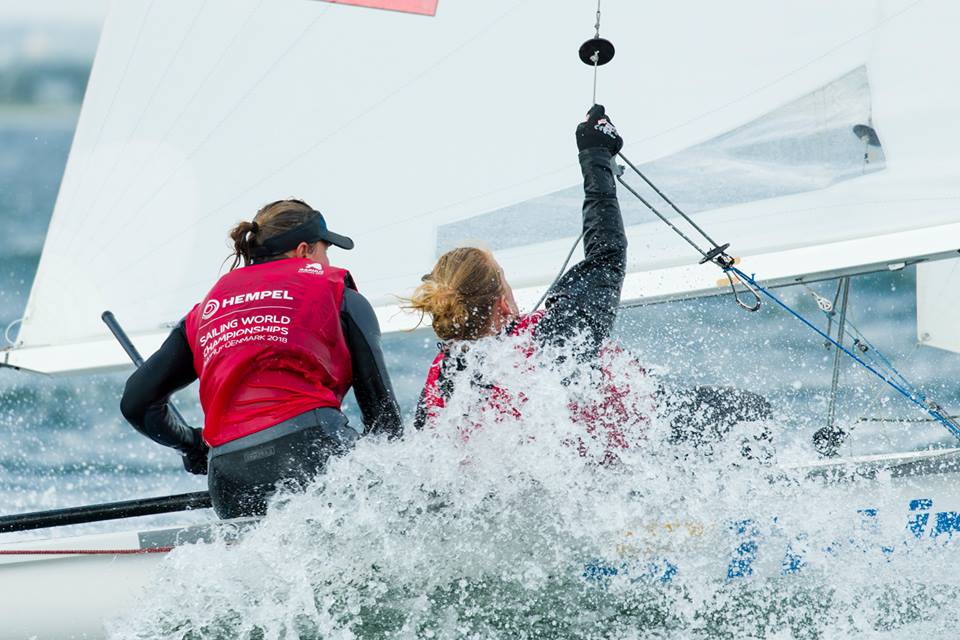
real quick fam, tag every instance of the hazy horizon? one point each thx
(25, 42)
(88, 13)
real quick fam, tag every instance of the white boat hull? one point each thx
(70, 596)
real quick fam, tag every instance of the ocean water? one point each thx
(489, 536)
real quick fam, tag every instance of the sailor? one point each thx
(276, 344)
(468, 297)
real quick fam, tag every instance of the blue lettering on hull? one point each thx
(748, 546)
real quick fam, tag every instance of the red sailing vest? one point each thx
(268, 345)
(433, 399)
(616, 406)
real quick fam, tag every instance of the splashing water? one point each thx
(490, 525)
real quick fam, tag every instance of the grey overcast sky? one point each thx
(78, 12)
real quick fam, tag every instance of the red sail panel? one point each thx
(423, 7)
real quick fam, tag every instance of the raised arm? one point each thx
(145, 400)
(371, 382)
(586, 298)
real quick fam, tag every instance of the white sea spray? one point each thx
(489, 525)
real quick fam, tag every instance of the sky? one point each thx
(61, 12)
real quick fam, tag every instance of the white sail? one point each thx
(938, 304)
(400, 127)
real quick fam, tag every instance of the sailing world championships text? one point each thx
(257, 327)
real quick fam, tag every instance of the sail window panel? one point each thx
(806, 145)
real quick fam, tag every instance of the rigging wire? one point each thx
(673, 206)
(560, 274)
(596, 54)
(867, 348)
(662, 217)
(798, 69)
(718, 255)
(835, 380)
(860, 340)
(722, 259)
(876, 358)
(595, 58)
(902, 420)
(833, 306)
(873, 401)
(931, 408)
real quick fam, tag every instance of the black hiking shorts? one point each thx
(244, 473)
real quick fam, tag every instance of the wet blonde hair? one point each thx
(460, 293)
(272, 220)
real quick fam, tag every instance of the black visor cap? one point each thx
(312, 230)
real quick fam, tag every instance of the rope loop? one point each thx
(755, 306)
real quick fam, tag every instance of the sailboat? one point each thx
(422, 123)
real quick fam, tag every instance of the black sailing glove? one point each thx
(598, 131)
(195, 458)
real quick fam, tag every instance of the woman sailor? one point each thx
(468, 297)
(275, 344)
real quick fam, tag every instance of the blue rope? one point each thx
(872, 349)
(919, 401)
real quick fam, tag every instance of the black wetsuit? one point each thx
(584, 300)
(243, 472)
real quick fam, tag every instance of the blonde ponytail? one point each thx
(460, 294)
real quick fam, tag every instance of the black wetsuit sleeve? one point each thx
(371, 382)
(585, 298)
(146, 395)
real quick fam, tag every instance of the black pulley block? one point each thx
(601, 48)
(715, 253)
